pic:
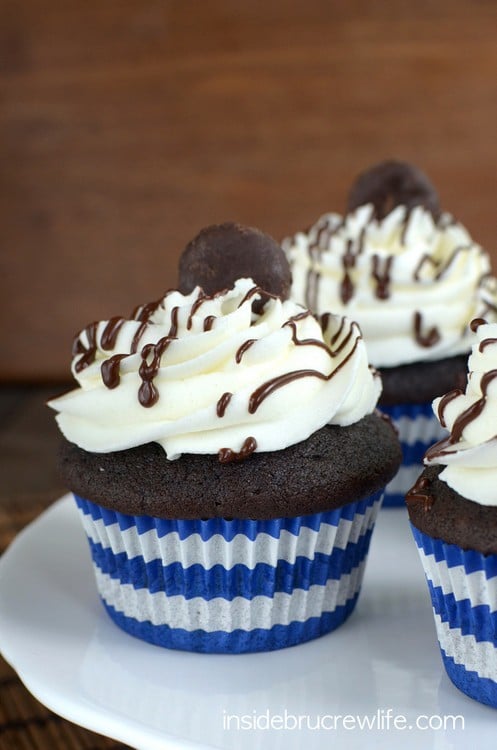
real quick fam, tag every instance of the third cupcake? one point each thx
(453, 513)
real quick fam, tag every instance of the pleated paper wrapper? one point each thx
(463, 589)
(230, 586)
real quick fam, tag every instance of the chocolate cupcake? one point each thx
(453, 513)
(228, 465)
(413, 279)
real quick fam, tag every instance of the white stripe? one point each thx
(474, 586)
(403, 480)
(420, 429)
(476, 656)
(217, 551)
(221, 614)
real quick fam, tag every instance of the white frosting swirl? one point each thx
(213, 390)
(470, 453)
(412, 283)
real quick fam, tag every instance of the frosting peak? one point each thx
(413, 282)
(208, 374)
(470, 452)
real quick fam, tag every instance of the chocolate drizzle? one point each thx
(144, 325)
(347, 285)
(292, 323)
(265, 296)
(110, 332)
(312, 288)
(476, 323)
(137, 337)
(450, 396)
(227, 455)
(222, 404)
(242, 349)
(338, 333)
(107, 341)
(381, 274)
(324, 320)
(324, 231)
(151, 354)
(473, 411)
(267, 388)
(314, 250)
(89, 352)
(428, 339)
(442, 269)
(109, 369)
(142, 314)
(405, 225)
(209, 322)
(463, 420)
(419, 494)
(486, 342)
(173, 330)
(319, 240)
(202, 297)
(451, 258)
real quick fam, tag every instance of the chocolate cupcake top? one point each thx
(215, 374)
(411, 276)
(469, 453)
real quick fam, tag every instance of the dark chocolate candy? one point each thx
(390, 184)
(222, 253)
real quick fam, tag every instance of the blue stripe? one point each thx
(217, 581)
(481, 689)
(453, 555)
(226, 528)
(476, 620)
(409, 410)
(414, 454)
(393, 500)
(237, 641)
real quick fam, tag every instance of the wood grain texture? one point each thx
(127, 126)
(28, 447)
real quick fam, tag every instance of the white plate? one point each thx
(383, 662)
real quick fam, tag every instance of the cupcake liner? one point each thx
(463, 589)
(418, 428)
(221, 585)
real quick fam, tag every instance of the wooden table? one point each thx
(28, 444)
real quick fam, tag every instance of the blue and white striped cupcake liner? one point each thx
(418, 428)
(463, 589)
(230, 586)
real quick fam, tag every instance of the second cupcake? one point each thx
(413, 279)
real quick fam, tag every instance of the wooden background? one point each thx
(126, 126)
